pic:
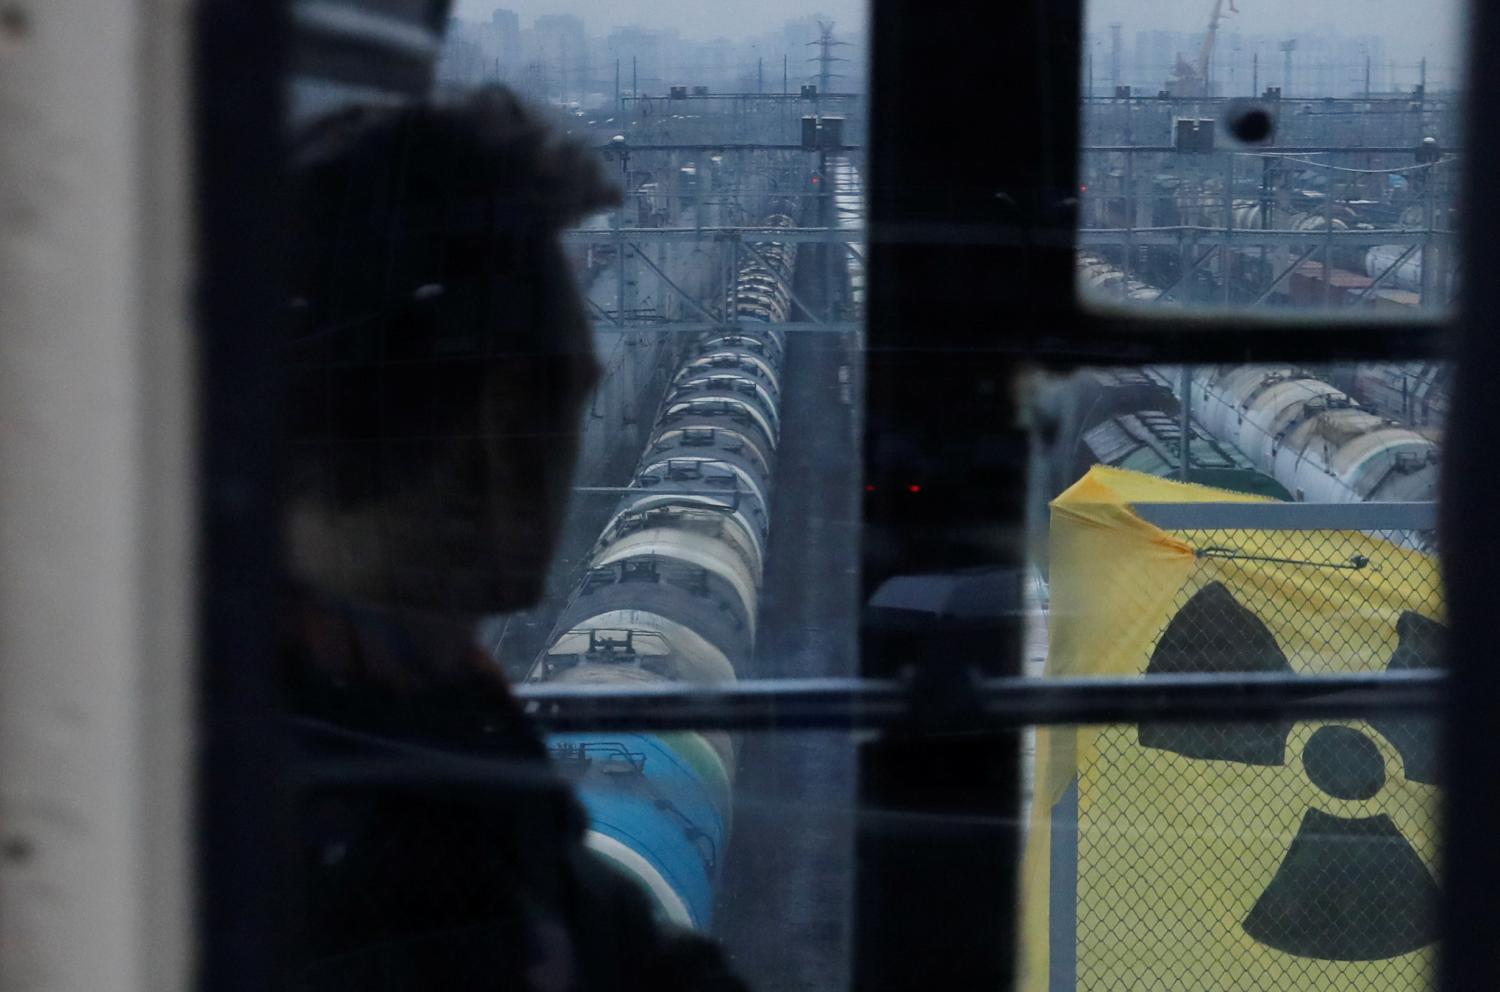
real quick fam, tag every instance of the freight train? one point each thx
(1415, 393)
(1102, 281)
(1130, 418)
(1351, 264)
(670, 593)
(1313, 438)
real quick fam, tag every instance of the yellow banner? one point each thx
(1224, 856)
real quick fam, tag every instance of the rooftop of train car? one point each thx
(1150, 441)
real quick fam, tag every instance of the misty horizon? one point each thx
(700, 20)
(1411, 31)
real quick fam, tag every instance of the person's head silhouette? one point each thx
(439, 353)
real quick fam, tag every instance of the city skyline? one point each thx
(1411, 31)
(564, 57)
(696, 20)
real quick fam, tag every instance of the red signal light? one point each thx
(869, 489)
(915, 489)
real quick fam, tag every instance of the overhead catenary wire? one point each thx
(1328, 166)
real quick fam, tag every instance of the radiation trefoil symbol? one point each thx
(1349, 888)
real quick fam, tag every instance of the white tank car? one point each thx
(1313, 438)
(1407, 274)
(768, 346)
(688, 439)
(667, 646)
(703, 407)
(707, 549)
(735, 358)
(671, 593)
(726, 516)
(1103, 281)
(709, 380)
(716, 473)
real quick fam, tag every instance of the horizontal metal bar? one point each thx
(1246, 237)
(656, 491)
(1226, 698)
(693, 235)
(700, 327)
(993, 704)
(1140, 95)
(1289, 516)
(731, 146)
(953, 235)
(744, 705)
(1258, 150)
(779, 97)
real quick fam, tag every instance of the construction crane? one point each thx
(1193, 78)
(1209, 37)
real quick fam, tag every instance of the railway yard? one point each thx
(714, 533)
(1347, 204)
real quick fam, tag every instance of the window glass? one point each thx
(1336, 433)
(575, 385)
(1357, 444)
(1229, 849)
(1295, 855)
(1271, 155)
(574, 378)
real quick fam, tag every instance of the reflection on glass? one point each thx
(1271, 155)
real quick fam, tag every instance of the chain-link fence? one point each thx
(1272, 855)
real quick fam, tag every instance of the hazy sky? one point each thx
(1411, 28)
(697, 19)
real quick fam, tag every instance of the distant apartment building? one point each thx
(461, 63)
(478, 52)
(559, 58)
(500, 42)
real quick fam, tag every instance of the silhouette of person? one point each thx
(438, 360)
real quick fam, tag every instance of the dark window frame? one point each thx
(971, 282)
(962, 237)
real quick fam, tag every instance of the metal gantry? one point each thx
(626, 242)
(1294, 245)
